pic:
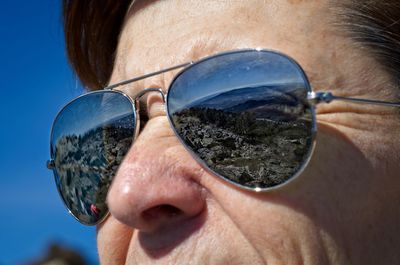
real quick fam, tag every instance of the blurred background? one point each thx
(36, 81)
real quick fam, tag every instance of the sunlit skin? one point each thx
(344, 208)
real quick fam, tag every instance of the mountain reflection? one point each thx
(255, 136)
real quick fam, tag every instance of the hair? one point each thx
(92, 29)
(375, 25)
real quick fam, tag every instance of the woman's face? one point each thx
(343, 209)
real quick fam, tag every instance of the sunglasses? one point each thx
(247, 116)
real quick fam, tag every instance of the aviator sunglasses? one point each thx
(247, 116)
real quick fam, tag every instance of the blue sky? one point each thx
(36, 82)
(106, 106)
(253, 71)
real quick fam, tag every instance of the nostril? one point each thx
(161, 211)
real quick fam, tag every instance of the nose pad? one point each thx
(149, 107)
(156, 184)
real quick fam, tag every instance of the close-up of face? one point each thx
(167, 207)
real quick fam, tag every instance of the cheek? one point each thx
(316, 211)
(275, 224)
(337, 182)
(113, 241)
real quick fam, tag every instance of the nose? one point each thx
(157, 183)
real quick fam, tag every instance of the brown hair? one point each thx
(375, 24)
(92, 28)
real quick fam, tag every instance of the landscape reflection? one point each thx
(87, 154)
(256, 135)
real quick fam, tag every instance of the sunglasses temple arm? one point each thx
(327, 97)
(111, 87)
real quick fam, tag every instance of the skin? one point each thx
(343, 209)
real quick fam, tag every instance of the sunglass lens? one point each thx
(245, 115)
(89, 139)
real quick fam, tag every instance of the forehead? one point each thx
(161, 33)
(158, 24)
(158, 34)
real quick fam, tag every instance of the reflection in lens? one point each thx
(89, 140)
(256, 131)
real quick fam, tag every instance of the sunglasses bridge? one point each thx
(140, 94)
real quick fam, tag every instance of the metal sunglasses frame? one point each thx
(313, 98)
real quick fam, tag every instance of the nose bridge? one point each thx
(156, 184)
